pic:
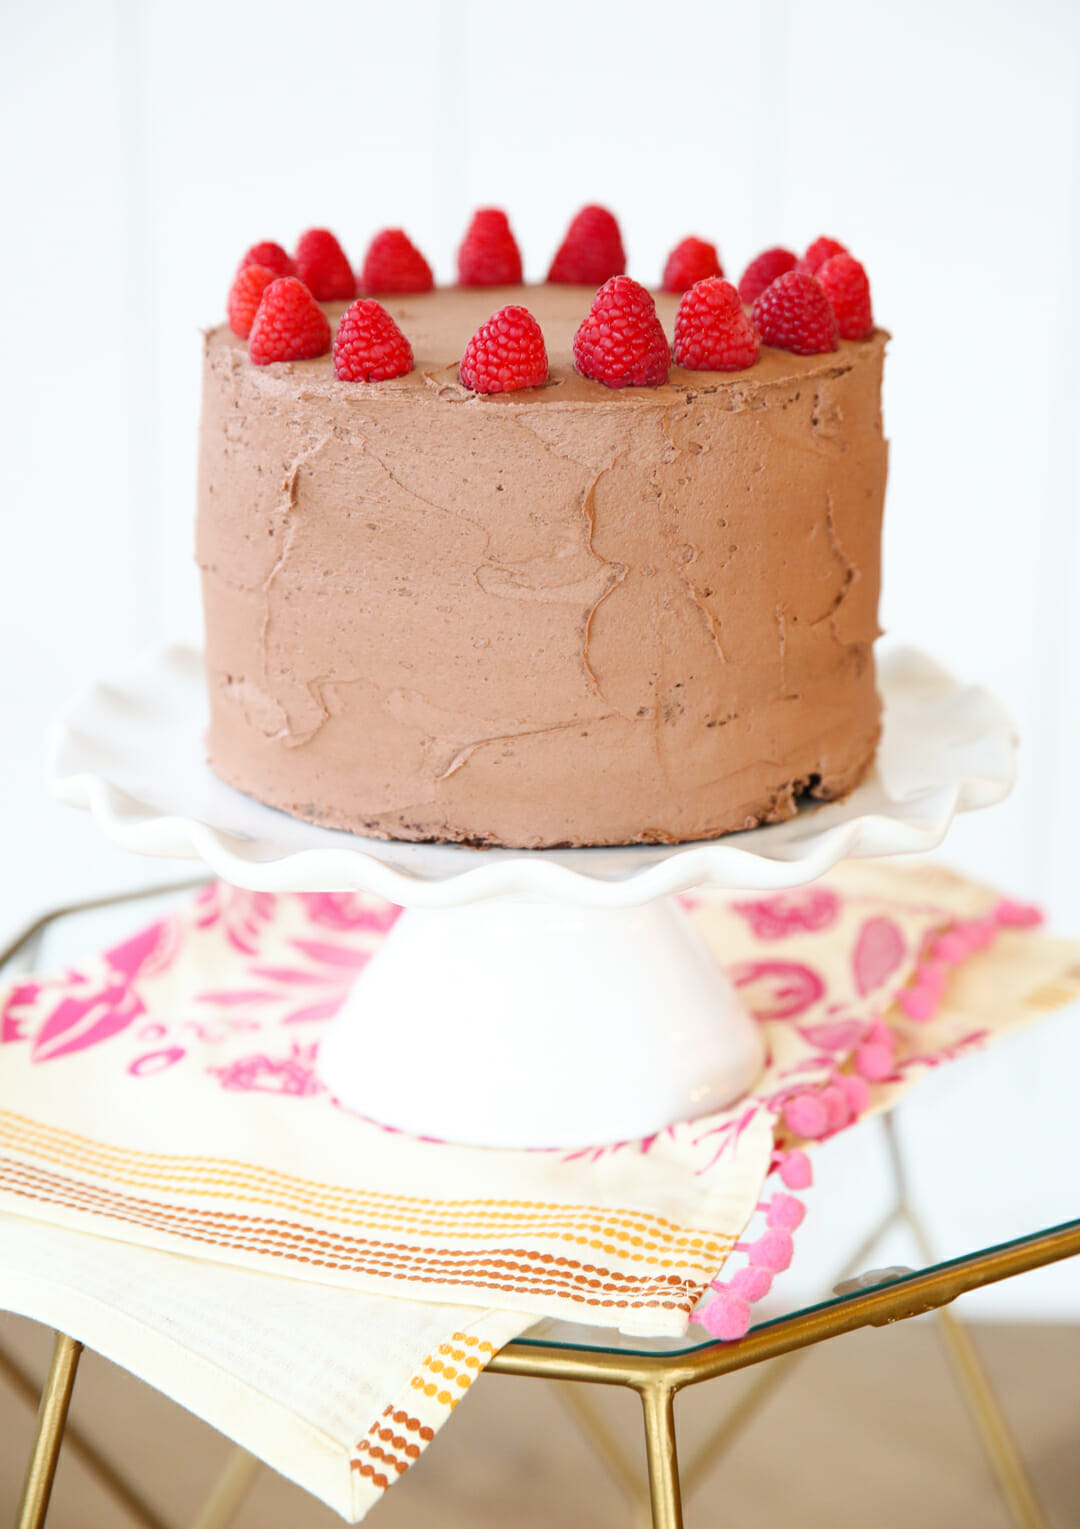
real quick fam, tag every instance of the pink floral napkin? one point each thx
(164, 1097)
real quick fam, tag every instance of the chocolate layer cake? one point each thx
(560, 616)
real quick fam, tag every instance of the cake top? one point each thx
(589, 324)
(440, 323)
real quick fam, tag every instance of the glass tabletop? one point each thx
(980, 1155)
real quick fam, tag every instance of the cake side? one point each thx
(559, 616)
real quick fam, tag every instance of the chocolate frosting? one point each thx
(566, 615)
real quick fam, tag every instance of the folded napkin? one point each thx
(164, 1097)
(337, 1390)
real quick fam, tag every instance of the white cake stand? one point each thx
(526, 998)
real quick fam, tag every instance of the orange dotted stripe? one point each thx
(377, 1452)
(378, 1478)
(405, 1420)
(712, 1258)
(460, 1374)
(510, 1271)
(463, 1228)
(392, 1440)
(452, 1366)
(407, 1447)
(261, 1234)
(177, 1174)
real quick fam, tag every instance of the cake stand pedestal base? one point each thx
(614, 1022)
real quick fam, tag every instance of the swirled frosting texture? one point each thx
(560, 616)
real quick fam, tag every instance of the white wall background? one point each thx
(144, 146)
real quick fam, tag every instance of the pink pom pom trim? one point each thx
(980, 932)
(856, 1091)
(725, 1316)
(772, 1250)
(795, 1170)
(1014, 915)
(873, 1061)
(918, 1003)
(806, 1115)
(814, 1113)
(785, 1213)
(933, 975)
(752, 1283)
(950, 948)
(836, 1107)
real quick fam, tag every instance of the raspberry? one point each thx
(394, 264)
(712, 333)
(591, 252)
(369, 346)
(692, 260)
(794, 314)
(848, 290)
(763, 271)
(322, 267)
(621, 342)
(821, 250)
(505, 354)
(245, 294)
(289, 326)
(489, 256)
(272, 256)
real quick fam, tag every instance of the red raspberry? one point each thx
(816, 255)
(245, 294)
(369, 346)
(763, 271)
(793, 313)
(272, 256)
(848, 290)
(621, 342)
(592, 251)
(289, 326)
(394, 264)
(322, 267)
(712, 333)
(690, 261)
(489, 256)
(505, 354)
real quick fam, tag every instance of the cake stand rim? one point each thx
(674, 869)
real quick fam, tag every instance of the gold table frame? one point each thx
(657, 1378)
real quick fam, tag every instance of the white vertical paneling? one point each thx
(573, 103)
(63, 373)
(939, 142)
(70, 568)
(1057, 859)
(1058, 848)
(764, 144)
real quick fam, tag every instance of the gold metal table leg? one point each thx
(728, 1428)
(52, 1415)
(986, 1413)
(658, 1403)
(229, 1491)
(79, 1447)
(603, 1438)
(979, 1395)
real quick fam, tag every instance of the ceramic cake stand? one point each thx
(534, 998)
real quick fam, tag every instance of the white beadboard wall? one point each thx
(146, 145)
